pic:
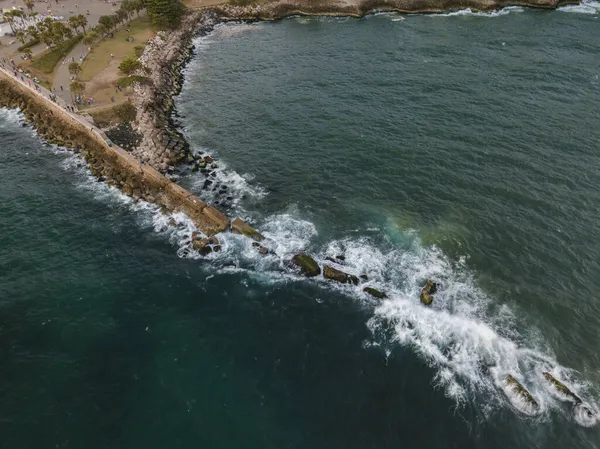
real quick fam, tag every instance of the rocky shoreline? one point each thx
(162, 144)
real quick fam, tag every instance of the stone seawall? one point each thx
(107, 161)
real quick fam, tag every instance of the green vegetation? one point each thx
(46, 62)
(77, 87)
(128, 81)
(129, 65)
(165, 13)
(126, 112)
(99, 58)
(29, 44)
(79, 21)
(74, 68)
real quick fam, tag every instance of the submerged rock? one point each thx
(427, 292)
(373, 292)
(308, 266)
(564, 390)
(340, 276)
(261, 249)
(521, 391)
(238, 225)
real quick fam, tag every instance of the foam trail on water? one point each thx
(469, 12)
(583, 8)
(10, 117)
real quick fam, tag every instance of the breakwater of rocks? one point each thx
(107, 161)
(162, 145)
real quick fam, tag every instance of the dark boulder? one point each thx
(340, 276)
(427, 292)
(376, 293)
(308, 266)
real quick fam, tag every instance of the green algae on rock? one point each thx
(521, 391)
(308, 266)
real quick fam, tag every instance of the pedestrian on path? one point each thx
(61, 89)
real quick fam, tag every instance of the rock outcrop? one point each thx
(359, 8)
(339, 276)
(205, 245)
(162, 145)
(308, 266)
(521, 391)
(428, 292)
(376, 293)
(562, 388)
(241, 227)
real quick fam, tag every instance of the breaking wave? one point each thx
(583, 8)
(469, 12)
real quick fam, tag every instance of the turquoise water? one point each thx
(460, 148)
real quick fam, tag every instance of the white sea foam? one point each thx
(469, 342)
(10, 117)
(469, 12)
(582, 8)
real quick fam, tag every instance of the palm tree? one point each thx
(20, 36)
(8, 17)
(74, 22)
(28, 4)
(33, 32)
(82, 21)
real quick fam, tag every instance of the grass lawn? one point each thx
(46, 61)
(99, 58)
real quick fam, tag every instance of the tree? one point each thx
(77, 88)
(33, 32)
(74, 22)
(29, 4)
(48, 38)
(165, 13)
(74, 68)
(20, 36)
(121, 16)
(9, 18)
(129, 65)
(100, 29)
(90, 38)
(78, 21)
(137, 6)
(108, 22)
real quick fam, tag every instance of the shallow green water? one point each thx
(458, 148)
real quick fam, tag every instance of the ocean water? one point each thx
(458, 147)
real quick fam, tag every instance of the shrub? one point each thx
(130, 80)
(126, 112)
(46, 62)
(29, 44)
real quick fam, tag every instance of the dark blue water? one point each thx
(458, 148)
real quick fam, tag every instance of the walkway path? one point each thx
(63, 77)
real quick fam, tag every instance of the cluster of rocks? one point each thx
(162, 145)
(124, 136)
(108, 162)
(563, 391)
(309, 267)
